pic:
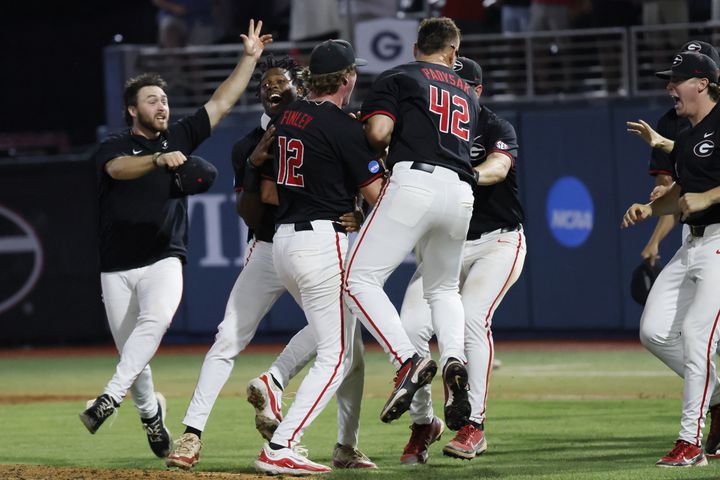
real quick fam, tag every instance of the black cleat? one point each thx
(457, 404)
(97, 412)
(158, 434)
(414, 373)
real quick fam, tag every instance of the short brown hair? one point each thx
(714, 92)
(133, 86)
(436, 34)
(326, 83)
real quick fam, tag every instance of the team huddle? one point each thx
(424, 167)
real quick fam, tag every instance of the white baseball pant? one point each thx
(679, 325)
(311, 266)
(432, 211)
(256, 290)
(140, 304)
(490, 266)
(296, 355)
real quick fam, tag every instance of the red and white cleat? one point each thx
(683, 455)
(467, 444)
(287, 461)
(423, 435)
(266, 397)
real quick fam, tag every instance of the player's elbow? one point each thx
(114, 169)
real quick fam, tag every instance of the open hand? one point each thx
(253, 42)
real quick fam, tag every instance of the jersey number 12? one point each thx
(452, 117)
(291, 159)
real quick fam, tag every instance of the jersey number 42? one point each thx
(291, 159)
(453, 117)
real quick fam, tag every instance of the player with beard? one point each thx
(144, 228)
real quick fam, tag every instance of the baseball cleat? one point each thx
(266, 397)
(414, 373)
(345, 456)
(712, 444)
(684, 454)
(457, 404)
(287, 461)
(158, 435)
(186, 452)
(416, 450)
(97, 412)
(469, 442)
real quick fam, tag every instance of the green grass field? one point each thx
(574, 414)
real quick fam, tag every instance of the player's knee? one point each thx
(651, 338)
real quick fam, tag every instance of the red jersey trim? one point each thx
(378, 112)
(371, 180)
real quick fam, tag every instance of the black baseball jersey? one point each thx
(435, 113)
(696, 157)
(669, 126)
(139, 222)
(496, 206)
(240, 153)
(321, 159)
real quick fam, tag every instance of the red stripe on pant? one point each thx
(347, 290)
(487, 322)
(342, 346)
(707, 378)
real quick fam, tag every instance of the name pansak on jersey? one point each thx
(435, 113)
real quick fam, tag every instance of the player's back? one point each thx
(316, 143)
(435, 114)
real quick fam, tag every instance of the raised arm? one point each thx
(228, 93)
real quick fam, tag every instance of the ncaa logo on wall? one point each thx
(570, 212)
(21, 256)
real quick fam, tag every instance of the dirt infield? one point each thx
(41, 472)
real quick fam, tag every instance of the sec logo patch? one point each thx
(374, 166)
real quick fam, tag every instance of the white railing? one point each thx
(539, 66)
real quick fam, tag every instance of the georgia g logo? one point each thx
(693, 47)
(704, 148)
(477, 149)
(677, 60)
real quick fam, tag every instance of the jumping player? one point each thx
(321, 161)
(493, 258)
(680, 322)
(256, 290)
(143, 232)
(427, 115)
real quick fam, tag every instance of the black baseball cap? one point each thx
(333, 56)
(691, 65)
(469, 70)
(194, 176)
(643, 278)
(702, 47)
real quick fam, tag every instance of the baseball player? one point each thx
(680, 322)
(256, 290)
(143, 232)
(492, 261)
(427, 115)
(321, 161)
(668, 127)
